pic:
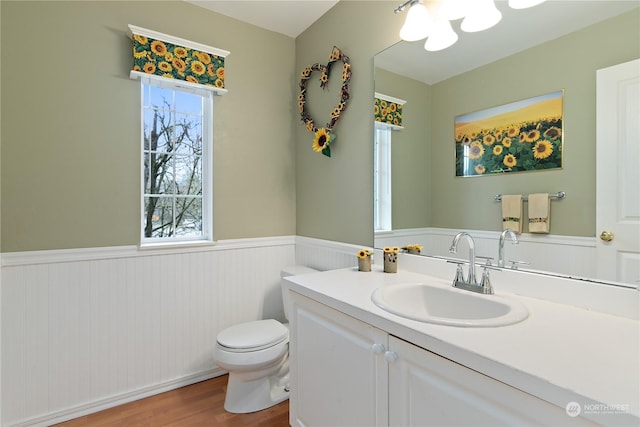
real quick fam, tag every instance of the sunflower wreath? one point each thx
(323, 137)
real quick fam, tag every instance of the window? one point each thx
(382, 178)
(176, 162)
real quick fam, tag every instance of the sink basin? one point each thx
(448, 306)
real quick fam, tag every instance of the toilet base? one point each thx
(255, 395)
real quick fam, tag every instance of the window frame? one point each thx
(382, 196)
(206, 236)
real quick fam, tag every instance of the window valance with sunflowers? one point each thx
(161, 56)
(387, 110)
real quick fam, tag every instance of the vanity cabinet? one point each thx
(345, 372)
(337, 379)
(427, 389)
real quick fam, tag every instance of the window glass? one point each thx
(176, 177)
(382, 178)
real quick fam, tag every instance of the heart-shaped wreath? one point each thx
(323, 136)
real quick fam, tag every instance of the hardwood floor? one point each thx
(200, 404)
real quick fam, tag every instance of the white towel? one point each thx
(539, 213)
(512, 212)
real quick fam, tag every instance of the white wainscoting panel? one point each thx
(326, 255)
(570, 255)
(87, 329)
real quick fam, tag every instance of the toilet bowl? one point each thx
(256, 355)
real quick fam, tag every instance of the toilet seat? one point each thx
(253, 336)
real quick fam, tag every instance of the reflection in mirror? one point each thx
(388, 118)
(510, 62)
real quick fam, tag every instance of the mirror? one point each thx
(532, 52)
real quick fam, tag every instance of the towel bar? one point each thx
(559, 195)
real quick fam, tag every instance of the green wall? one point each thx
(410, 151)
(334, 205)
(334, 196)
(71, 123)
(568, 63)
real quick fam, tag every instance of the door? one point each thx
(428, 390)
(338, 370)
(618, 173)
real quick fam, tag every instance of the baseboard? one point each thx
(110, 402)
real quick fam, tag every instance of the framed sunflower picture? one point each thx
(521, 136)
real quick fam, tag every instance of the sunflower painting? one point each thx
(521, 136)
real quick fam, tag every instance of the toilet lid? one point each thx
(258, 334)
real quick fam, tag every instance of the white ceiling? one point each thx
(518, 30)
(288, 17)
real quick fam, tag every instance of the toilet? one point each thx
(256, 355)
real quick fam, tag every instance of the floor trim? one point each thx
(120, 399)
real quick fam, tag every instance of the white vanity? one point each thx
(355, 364)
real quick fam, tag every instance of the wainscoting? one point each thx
(570, 255)
(87, 329)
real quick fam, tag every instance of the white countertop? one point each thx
(560, 353)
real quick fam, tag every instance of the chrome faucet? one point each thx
(514, 241)
(471, 277)
(470, 283)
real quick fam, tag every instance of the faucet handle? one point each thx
(487, 259)
(459, 275)
(485, 282)
(515, 263)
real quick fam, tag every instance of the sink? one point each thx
(448, 306)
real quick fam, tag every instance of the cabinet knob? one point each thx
(390, 356)
(378, 348)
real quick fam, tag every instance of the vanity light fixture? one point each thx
(441, 37)
(432, 20)
(418, 24)
(481, 15)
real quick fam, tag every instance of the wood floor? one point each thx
(200, 404)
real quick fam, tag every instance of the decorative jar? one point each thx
(390, 259)
(364, 260)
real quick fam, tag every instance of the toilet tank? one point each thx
(293, 270)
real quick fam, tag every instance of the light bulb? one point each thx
(523, 4)
(441, 37)
(417, 25)
(482, 15)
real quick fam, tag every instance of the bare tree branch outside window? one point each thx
(173, 144)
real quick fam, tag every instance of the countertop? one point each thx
(560, 353)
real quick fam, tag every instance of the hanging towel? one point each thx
(539, 212)
(512, 212)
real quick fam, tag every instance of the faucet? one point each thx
(471, 277)
(514, 241)
(470, 284)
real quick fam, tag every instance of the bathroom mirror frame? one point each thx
(441, 229)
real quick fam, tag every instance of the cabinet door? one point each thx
(428, 390)
(338, 370)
